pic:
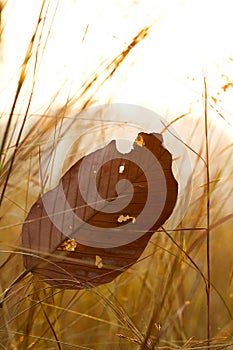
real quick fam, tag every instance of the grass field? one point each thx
(179, 295)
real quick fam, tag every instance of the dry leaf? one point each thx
(68, 264)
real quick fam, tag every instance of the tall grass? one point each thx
(177, 296)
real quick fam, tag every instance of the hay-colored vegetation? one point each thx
(160, 302)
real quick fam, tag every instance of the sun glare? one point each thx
(187, 39)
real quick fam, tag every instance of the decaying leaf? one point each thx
(67, 263)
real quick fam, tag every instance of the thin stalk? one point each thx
(208, 291)
(18, 90)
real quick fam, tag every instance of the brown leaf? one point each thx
(76, 262)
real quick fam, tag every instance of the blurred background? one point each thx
(57, 57)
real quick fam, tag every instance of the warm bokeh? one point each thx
(57, 57)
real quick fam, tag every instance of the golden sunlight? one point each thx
(81, 81)
(187, 40)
